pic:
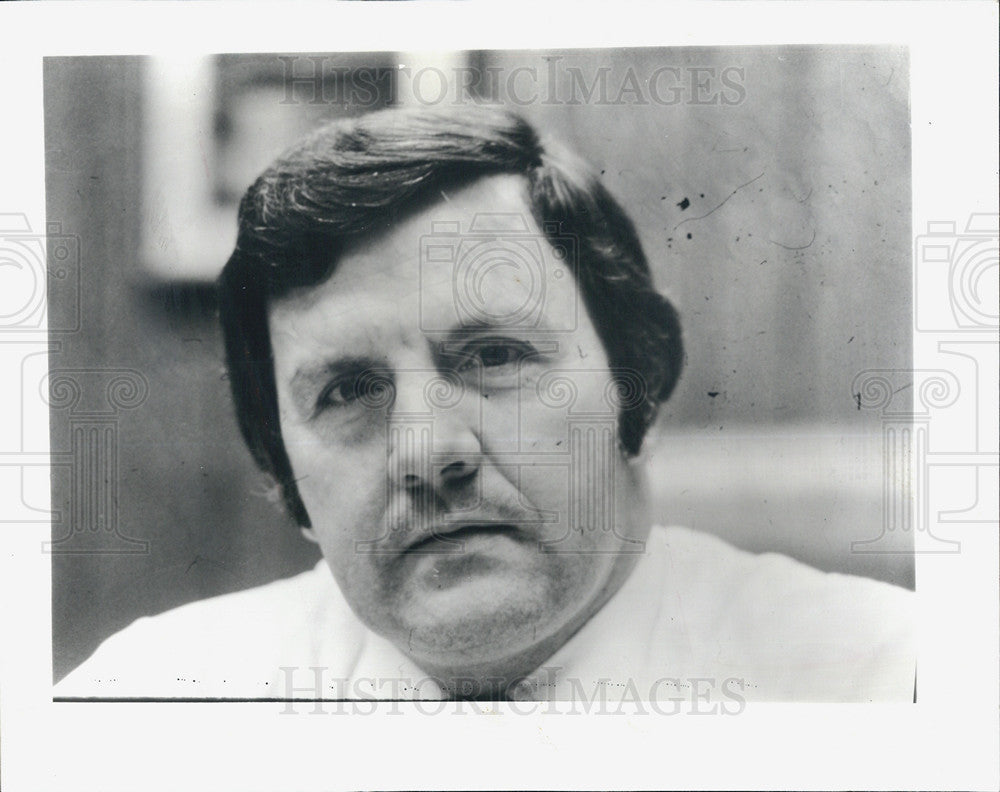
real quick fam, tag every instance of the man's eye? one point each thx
(497, 355)
(339, 393)
(370, 388)
(494, 353)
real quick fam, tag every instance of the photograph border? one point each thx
(947, 741)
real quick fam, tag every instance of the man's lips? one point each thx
(450, 538)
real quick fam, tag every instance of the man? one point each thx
(445, 346)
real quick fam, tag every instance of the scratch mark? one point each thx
(702, 217)
(795, 247)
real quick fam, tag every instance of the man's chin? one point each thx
(480, 621)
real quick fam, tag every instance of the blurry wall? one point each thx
(186, 483)
(778, 222)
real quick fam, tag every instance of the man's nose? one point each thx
(432, 438)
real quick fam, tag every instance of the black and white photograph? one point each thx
(524, 381)
(518, 399)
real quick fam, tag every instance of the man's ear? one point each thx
(309, 533)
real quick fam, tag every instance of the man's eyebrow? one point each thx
(476, 328)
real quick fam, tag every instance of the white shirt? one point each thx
(697, 619)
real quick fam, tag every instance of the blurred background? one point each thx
(770, 187)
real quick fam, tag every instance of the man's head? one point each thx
(445, 345)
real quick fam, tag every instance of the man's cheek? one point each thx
(501, 423)
(346, 497)
(545, 485)
(351, 532)
(577, 492)
(357, 513)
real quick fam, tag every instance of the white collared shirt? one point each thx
(697, 619)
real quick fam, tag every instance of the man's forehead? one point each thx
(393, 267)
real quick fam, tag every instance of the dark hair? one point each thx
(354, 178)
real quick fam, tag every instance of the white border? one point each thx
(948, 740)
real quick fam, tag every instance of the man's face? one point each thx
(450, 418)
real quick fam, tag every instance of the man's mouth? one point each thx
(451, 538)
